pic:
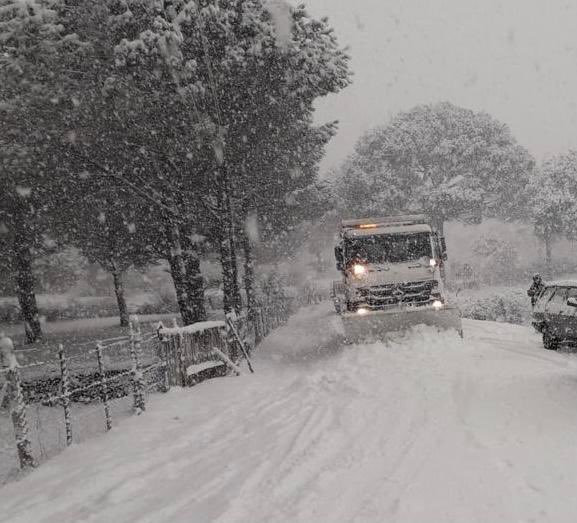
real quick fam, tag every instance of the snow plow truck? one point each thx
(392, 277)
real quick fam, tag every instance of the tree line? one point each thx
(139, 130)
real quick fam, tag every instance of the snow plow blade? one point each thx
(378, 325)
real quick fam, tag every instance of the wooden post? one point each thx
(17, 404)
(239, 341)
(65, 390)
(180, 355)
(162, 354)
(137, 378)
(103, 387)
(257, 328)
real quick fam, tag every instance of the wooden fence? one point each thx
(208, 349)
(136, 364)
(97, 372)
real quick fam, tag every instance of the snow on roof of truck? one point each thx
(384, 221)
(396, 229)
(561, 283)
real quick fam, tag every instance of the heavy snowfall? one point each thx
(273, 261)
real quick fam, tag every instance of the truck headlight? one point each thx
(361, 311)
(433, 262)
(359, 270)
(437, 304)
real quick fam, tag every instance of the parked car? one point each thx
(555, 314)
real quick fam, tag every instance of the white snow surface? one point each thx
(425, 427)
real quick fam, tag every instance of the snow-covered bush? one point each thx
(508, 305)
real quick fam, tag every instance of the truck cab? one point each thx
(390, 263)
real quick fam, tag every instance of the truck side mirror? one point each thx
(339, 257)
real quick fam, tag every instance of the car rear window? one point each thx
(560, 296)
(546, 295)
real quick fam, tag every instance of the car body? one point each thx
(555, 314)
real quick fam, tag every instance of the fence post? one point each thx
(65, 390)
(231, 344)
(180, 355)
(103, 386)
(162, 355)
(257, 326)
(264, 313)
(17, 404)
(137, 377)
(232, 330)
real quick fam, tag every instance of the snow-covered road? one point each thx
(428, 428)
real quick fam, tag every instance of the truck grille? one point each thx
(412, 293)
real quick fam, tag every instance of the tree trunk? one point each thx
(228, 283)
(194, 282)
(178, 273)
(249, 283)
(26, 295)
(232, 301)
(236, 297)
(117, 276)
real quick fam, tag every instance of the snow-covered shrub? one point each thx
(508, 305)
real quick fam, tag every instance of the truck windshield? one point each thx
(393, 248)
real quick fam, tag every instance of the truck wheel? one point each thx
(549, 341)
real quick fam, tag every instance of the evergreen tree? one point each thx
(35, 88)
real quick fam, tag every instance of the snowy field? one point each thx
(424, 428)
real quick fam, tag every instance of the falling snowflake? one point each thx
(22, 191)
(218, 152)
(70, 137)
(295, 173)
(197, 238)
(49, 243)
(251, 228)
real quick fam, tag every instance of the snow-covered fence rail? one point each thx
(190, 352)
(78, 380)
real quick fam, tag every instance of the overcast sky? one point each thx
(516, 59)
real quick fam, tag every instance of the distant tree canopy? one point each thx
(552, 197)
(449, 162)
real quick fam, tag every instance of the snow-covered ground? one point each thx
(426, 427)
